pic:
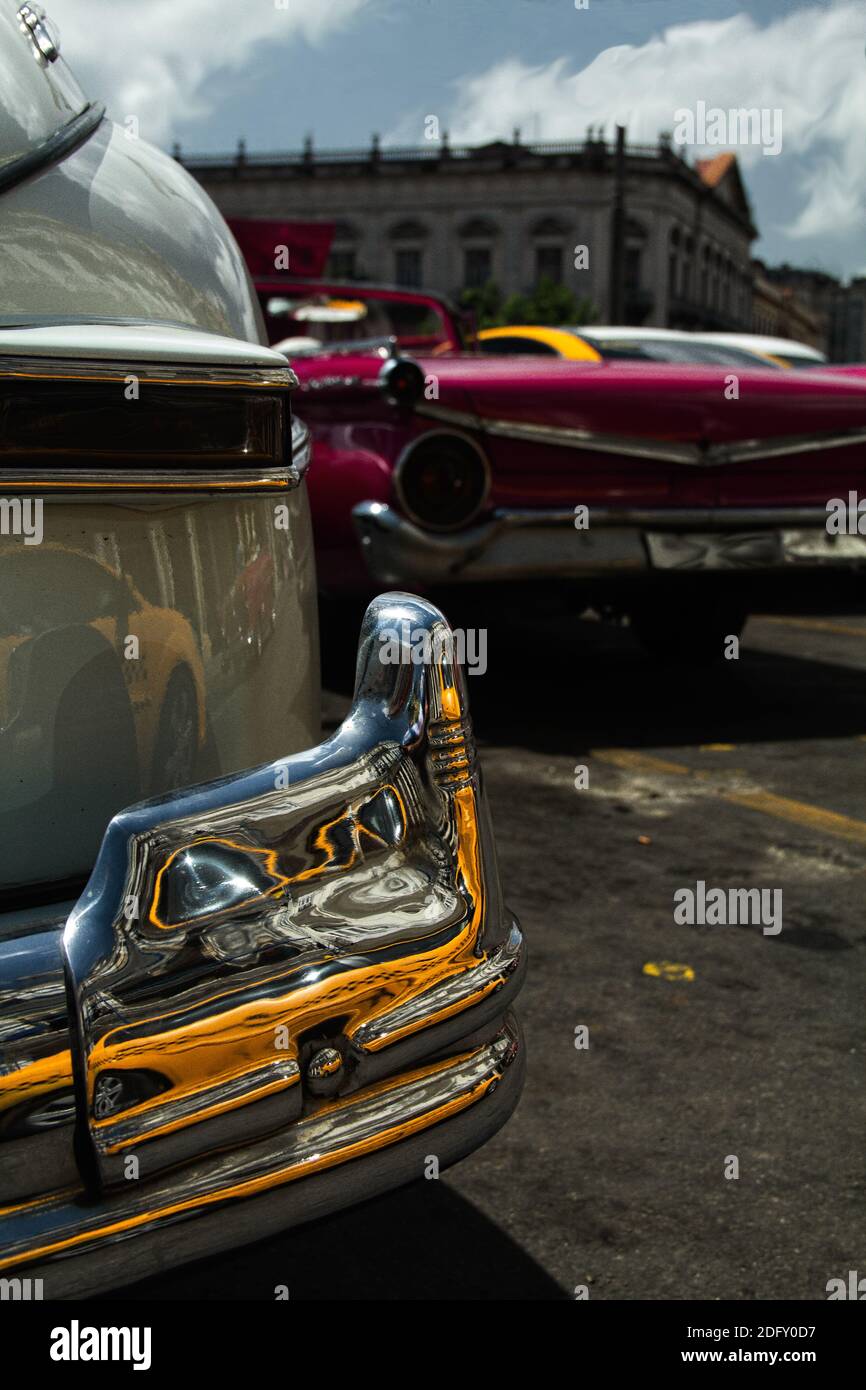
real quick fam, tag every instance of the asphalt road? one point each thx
(611, 1175)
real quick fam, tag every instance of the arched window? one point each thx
(409, 229)
(549, 227)
(478, 229)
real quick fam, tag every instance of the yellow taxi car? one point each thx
(540, 341)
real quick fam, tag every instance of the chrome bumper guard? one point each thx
(303, 970)
(546, 544)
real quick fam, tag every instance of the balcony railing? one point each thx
(434, 152)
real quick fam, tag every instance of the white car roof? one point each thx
(757, 342)
(745, 342)
(611, 333)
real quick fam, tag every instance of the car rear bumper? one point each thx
(289, 989)
(516, 545)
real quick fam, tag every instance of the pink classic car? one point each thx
(681, 496)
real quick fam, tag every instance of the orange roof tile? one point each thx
(712, 171)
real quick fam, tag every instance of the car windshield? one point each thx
(322, 318)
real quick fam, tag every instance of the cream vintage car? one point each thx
(283, 981)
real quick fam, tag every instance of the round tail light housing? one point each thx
(442, 480)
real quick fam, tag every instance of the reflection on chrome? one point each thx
(389, 1113)
(364, 861)
(310, 933)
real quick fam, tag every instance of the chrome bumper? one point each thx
(294, 973)
(545, 544)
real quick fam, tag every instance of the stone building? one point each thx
(780, 310)
(840, 308)
(664, 242)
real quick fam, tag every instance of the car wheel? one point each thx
(175, 753)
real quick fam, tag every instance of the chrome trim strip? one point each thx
(94, 482)
(670, 518)
(154, 373)
(302, 449)
(472, 986)
(56, 147)
(126, 1129)
(634, 446)
(383, 345)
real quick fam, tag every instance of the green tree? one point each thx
(549, 305)
(484, 302)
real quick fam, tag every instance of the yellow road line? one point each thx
(767, 803)
(814, 625)
(801, 813)
(637, 762)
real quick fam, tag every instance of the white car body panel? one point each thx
(117, 229)
(111, 251)
(139, 343)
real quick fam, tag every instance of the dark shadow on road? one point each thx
(555, 682)
(422, 1241)
(589, 685)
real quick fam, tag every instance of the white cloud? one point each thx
(159, 60)
(810, 64)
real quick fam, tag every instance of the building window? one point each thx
(342, 264)
(632, 267)
(548, 263)
(674, 264)
(408, 266)
(717, 271)
(477, 266)
(635, 240)
(687, 269)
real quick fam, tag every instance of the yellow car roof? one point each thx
(565, 342)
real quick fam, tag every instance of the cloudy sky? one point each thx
(205, 72)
